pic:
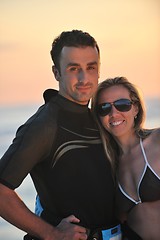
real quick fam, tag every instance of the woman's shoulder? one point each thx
(155, 135)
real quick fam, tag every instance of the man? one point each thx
(61, 149)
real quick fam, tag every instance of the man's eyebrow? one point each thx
(93, 63)
(77, 64)
(72, 64)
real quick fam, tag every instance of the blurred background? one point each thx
(127, 32)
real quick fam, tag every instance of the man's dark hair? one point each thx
(74, 38)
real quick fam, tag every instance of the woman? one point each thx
(119, 112)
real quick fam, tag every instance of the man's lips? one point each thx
(83, 88)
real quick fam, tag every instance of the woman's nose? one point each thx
(113, 110)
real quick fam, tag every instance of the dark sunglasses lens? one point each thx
(104, 109)
(123, 105)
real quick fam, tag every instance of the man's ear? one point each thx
(56, 73)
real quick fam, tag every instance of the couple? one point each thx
(85, 188)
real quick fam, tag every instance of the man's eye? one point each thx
(91, 67)
(73, 69)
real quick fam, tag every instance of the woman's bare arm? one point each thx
(144, 219)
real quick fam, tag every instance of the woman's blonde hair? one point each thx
(111, 148)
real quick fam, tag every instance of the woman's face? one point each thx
(118, 123)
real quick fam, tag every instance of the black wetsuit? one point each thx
(60, 147)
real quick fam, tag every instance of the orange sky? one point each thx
(127, 31)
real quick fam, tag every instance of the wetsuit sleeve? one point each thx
(31, 145)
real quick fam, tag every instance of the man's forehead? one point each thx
(77, 55)
(71, 49)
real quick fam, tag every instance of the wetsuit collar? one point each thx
(71, 106)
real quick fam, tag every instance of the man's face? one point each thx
(79, 73)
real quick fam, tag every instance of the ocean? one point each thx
(11, 118)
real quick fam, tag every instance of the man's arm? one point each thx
(13, 210)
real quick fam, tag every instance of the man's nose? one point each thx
(82, 76)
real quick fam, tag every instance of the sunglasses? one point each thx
(122, 105)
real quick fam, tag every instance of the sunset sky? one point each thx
(127, 31)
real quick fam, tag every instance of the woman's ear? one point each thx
(136, 110)
(56, 73)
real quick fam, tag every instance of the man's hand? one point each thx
(69, 230)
